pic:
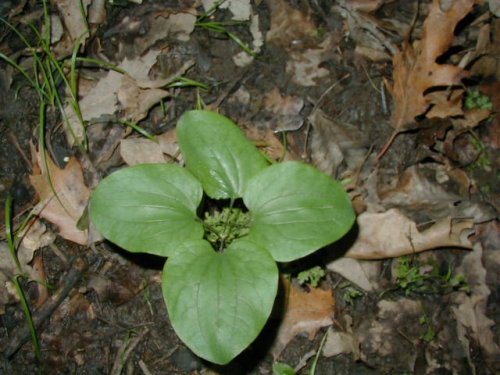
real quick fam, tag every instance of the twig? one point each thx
(144, 368)
(125, 351)
(22, 335)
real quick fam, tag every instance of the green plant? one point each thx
(222, 27)
(219, 299)
(475, 99)
(312, 276)
(350, 293)
(48, 74)
(282, 369)
(411, 278)
(430, 333)
(18, 278)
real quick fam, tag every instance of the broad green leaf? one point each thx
(282, 369)
(218, 153)
(296, 210)
(148, 208)
(219, 302)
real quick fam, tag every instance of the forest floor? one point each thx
(396, 99)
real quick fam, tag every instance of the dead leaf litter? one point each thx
(396, 99)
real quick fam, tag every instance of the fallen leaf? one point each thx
(63, 195)
(392, 234)
(416, 69)
(73, 15)
(341, 343)
(334, 142)
(305, 312)
(284, 110)
(240, 9)
(36, 236)
(304, 65)
(470, 311)
(270, 143)
(169, 145)
(289, 26)
(364, 5)
(140, 151)
(134, 93)
(432, 191)
(365, 274)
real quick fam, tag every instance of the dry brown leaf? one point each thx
(285, 111)
(304, 65)
(334, 142)
(140, 151)
(342, 342)
(363, 5)
(269, 143)
(392, 234)
(240, 9)
(289, 26)
(134, 93)
(35, 237)
(63, 197)
(365, 274)
(470, 311)
(74, 19)
(416, 69)
(169, 145)
(305, 312)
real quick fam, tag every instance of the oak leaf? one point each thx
(63, 195)
(305, 312)
(416, 69)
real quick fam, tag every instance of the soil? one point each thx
(114, 301)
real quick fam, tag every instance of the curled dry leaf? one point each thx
(63, 196)
(416, 69)
(305, 312)
(392, 234)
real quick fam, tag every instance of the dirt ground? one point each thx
(329, 84)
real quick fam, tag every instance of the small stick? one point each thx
(388, 144)
(125, 351)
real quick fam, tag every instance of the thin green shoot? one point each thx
(29, 318)
(139, 130)
(200, 104)
(101, 63)
(221, 28)
(211, 10)
(22, 297)
(312, 370)
(187, 82)
(10, 233)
